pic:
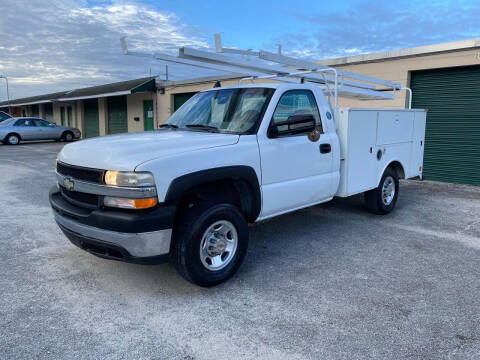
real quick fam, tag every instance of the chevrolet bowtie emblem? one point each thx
(69, 184)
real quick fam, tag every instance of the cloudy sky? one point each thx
(54, 45)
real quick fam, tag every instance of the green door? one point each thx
(62, 116)
(148, 115)
(48, 111)
(69, 116)
(117, 114)
(180, 99)
(90, 111)
(452, 136)
(35, 110)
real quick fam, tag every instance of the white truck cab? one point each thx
(228, 157)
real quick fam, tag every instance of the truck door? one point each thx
(296, 172)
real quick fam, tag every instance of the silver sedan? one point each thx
(14, 130)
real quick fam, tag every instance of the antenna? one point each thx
(218, 42)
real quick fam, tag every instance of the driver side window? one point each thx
(297, 102)
(24, 122)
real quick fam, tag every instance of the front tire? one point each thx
(382, 199)
(209, 243)
(13, 139)
(67, 136)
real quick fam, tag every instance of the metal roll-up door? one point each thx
(117, 114)
(452, 139)
(90, 110)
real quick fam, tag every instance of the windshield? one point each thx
(4, 116)
(236, 111)
(6, 121)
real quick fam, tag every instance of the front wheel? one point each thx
(209, 243)
(13, 139)
(68, 136)
(382, 199)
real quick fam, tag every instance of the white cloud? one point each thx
(59, 45)
(371, 26)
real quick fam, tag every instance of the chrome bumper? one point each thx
(138, 245)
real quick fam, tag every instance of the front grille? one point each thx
(81, 173)
(81, 199)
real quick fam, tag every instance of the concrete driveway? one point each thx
(328, 282)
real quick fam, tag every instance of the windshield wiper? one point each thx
(171, 126)
(201, 126)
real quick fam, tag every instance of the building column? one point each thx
(102, 115)
(80, 117)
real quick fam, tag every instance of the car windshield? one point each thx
(6, 121)
(235, 111)
(4, 116)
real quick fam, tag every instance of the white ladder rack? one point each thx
(334, 82)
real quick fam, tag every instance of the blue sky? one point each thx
(53, 45)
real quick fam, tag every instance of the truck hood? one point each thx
(127, 151)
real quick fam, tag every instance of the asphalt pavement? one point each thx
(327, 282)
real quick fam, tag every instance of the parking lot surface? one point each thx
(328, 282)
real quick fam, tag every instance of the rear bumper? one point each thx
(118, 235)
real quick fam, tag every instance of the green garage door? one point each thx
(117, 114)
(180, 99)
(452, 140)
(90, 109)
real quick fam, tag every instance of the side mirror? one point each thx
(295, 124)
(52, 125)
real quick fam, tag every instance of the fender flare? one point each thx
(185, 183)
(390, 162)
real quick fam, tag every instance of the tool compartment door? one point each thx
(394, 127)
(360, 160)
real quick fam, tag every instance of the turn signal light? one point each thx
(125, 203)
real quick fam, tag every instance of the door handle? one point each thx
(325, 148)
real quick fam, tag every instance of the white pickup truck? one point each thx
(228, 157)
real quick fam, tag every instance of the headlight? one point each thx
(129, 178)
(129, 203)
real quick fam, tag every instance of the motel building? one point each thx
(444, 78)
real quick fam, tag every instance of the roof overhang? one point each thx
(404, 53)
(117, 93)
(28, 103)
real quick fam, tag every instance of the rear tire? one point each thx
(209, 243)
(382, 199)
(13, 139)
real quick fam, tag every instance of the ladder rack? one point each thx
(334, 82)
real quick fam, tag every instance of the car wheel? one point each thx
(209, 243)
(382, 199)
(67, 136)
(13, 139)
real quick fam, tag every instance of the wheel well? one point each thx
(233, 191)
(395, 165)
(67, 131)
(13, 133)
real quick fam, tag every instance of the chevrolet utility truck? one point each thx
(232, 156)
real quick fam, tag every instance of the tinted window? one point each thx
(4, 116)
(297, 102)
(6, 122)
(40, 122)
(24, 122)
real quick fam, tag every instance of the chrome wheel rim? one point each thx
(388, 190)
(13, 140)
(68, 137)
(219, 245)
